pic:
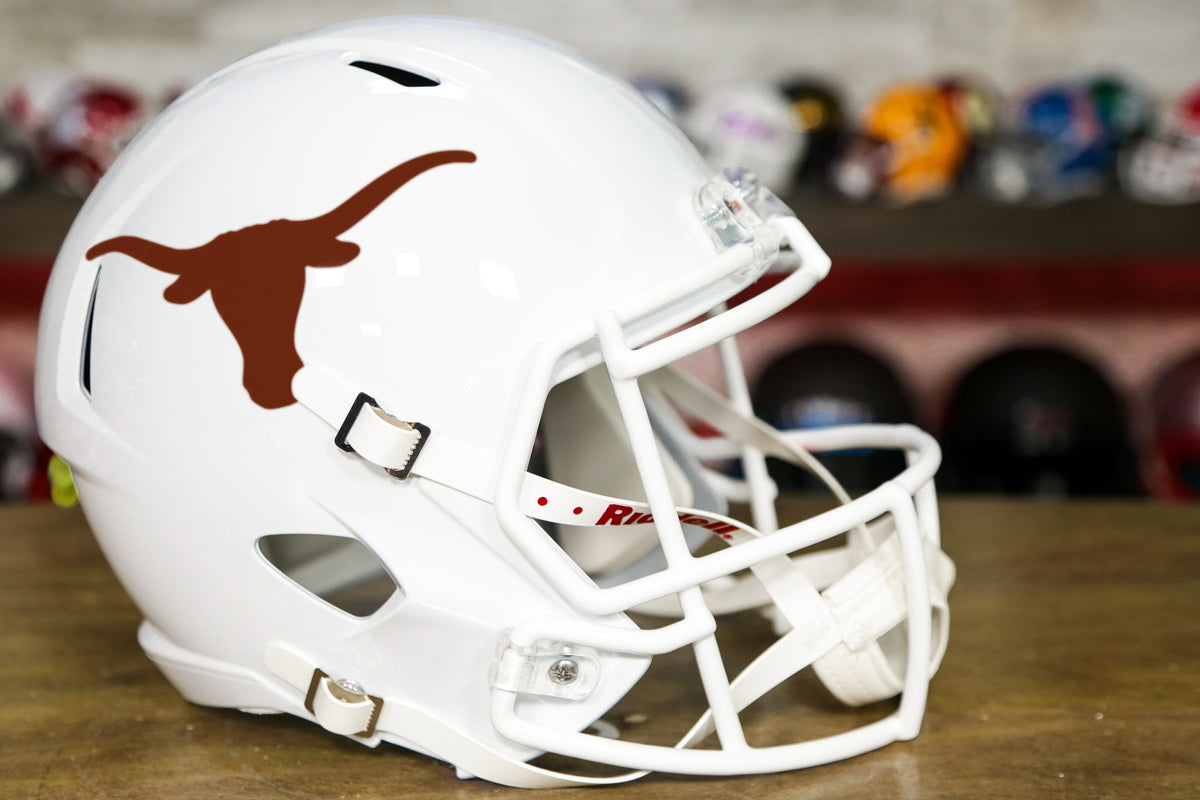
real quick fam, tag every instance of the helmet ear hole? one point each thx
(337, 569)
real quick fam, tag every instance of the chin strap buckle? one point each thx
(342, 706)
(381, 438)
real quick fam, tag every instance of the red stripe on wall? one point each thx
(22, 284)
(976, 286)
(983, 286)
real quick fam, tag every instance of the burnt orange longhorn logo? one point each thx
(256, 274)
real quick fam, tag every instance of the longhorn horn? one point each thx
(366, 199)
(152, 254)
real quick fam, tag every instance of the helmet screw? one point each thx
(347, 690)
(564, 671)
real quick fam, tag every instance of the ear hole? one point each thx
(401, 76)
(85, 366)
(341, 571)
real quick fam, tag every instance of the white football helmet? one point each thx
(750, 125)
(362, 356)
(1164, 167)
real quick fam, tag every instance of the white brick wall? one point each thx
(862, 44)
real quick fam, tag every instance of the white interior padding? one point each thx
(586, 446)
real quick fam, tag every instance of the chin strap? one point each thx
(840, 631)
(398, 447)
(868, 599)
(858, 670)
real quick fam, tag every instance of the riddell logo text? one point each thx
(625, 515)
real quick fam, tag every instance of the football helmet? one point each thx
(1042, 421)
(817, 109)
(668, 96)
(925, 140)
(363, 357)
(1125, 110)
(74, 127)
(1164, 167)
(974, 102)
(827, 384)
(1174, 452)
(18, 435)
(1056, 148)
(752, 125)
(14, 158)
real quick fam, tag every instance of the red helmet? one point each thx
(74, 127)
(1164, 167)
(1175, 449)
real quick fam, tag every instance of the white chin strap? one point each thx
(838, 610)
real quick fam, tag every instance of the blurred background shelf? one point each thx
(961, 227)
(965, 227)
(930, 292)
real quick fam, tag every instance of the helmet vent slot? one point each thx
(85, 364)
(339, 570)
(401, 76)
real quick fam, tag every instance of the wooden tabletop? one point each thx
(1073, 671)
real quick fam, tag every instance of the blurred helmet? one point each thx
(926, 142)
(18, 434)
(1164, 167)
(14, 158)
(748, 125)
(668, 96)
(74, 127)
(300, 344)
(1175, 432)
(977, 106)
(974, 103)
(860, 170)
(1125, 111)
(828, 384)
(1038, 421)
(1056, 148)
(817, 112)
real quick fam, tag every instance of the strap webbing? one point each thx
(842, 626)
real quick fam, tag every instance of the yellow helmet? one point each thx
(926, 140)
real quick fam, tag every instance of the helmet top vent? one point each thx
(398, 75)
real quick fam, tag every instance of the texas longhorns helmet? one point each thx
(364, 356)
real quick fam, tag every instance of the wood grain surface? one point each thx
(1073, 671)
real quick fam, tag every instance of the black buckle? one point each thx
(341, 437)
(401, 474)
